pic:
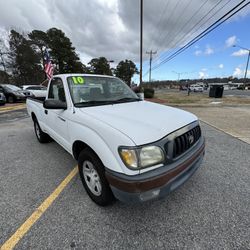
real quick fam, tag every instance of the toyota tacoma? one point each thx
(126, 148)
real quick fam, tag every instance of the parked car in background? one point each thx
(233, 87)
(196, 88)
(14, 93)
(2, 98)
(36, 90)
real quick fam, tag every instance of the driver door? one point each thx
(57, 118)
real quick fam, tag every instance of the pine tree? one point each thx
(24, 61)
(63, 53)
(126, 70)
(100, 66)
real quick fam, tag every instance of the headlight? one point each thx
(151, 155)
(141, 157)
(129, 157)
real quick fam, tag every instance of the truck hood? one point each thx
(144, 122)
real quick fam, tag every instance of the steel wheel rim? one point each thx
(92, 178)
(37, 130)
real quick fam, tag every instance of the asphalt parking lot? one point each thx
(210, 211)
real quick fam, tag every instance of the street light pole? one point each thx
(245, 75)
(141, 39)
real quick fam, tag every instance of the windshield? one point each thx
(11, 87)
(95, 90)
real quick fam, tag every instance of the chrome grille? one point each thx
(185, 141)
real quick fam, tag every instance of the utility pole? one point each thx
(141, 39)
(179, 74)
(111, 69)
(4, 67)
(151, 53)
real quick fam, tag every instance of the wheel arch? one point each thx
(33, 116)
(78, 146)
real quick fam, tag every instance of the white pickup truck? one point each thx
(126, 148)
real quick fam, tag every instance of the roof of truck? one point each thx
(82, 74)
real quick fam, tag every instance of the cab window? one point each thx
(56, 90)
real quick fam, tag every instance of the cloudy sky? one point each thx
(110, 28)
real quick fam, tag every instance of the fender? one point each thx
(96, 140)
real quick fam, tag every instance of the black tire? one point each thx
(40, 135)
(105, 196)
(11, 99)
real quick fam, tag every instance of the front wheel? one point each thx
(40, 135)
(11, 99)
(92, 173)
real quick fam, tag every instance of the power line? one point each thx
(160, 19)
(188, 32)
(205, 21)
(208, 30)
(189, 21)
(170, 16)
(204, 33)
(171, 34)
(196, 24)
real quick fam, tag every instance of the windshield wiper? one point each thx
(106, 102)
(92, 103)
(127, 99)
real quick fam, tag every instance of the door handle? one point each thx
(61, 118)
(46, 111)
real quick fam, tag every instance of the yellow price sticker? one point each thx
(78, 80)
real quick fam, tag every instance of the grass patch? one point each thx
(181, 97)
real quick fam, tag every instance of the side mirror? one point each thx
(54, 104)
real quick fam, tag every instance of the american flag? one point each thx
(48, 67)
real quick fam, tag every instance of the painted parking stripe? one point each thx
(25, 227)
(6, 109)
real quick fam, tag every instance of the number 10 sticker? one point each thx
(78, 80)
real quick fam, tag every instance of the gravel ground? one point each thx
(210, 211)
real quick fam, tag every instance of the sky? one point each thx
(110, 28)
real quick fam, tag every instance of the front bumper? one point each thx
(159, 182)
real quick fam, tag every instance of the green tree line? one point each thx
(24, 58)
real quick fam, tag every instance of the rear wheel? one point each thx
(40, 135)
(92, 173)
